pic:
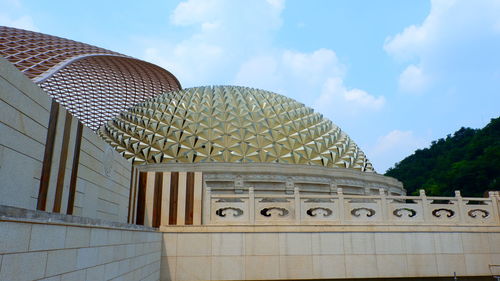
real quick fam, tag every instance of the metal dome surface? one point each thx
(230, 124)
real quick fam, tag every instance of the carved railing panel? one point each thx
(315, 210)
(481, 212)
(250, 208)
(363, 211)
(406, 212)
(269, 210)
(229, 210)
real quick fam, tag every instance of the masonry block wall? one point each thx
(40, 250)
(49, 161)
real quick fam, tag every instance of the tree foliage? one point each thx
(468, 160)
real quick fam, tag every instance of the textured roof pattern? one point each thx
(230, 124)
(93, 83)
(36, 54)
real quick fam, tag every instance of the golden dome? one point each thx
(230, 124)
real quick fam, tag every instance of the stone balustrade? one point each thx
(252, 208)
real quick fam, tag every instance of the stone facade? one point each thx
(313, 252)
(101, 178)
(44, 246)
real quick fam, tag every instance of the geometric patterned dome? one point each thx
(94, 84)
(230, 124)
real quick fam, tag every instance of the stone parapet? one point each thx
(38, 245)
(254, 208)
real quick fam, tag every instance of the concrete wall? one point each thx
(314, 252)
(52, 249)
(103, 176)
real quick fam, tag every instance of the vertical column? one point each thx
(495, 196)
(141, 198)
(157, 200)
(251, 204)
(74, 170)
(425, 205)
(63, 157)
(150, 191)
(174, 190)
(198, 185)
(165, 199)
(383, 204)
(341, 207)
(181, 199)
(189, 198)
(461, 206)
(298, 212)
(47, 157)
(207, 205)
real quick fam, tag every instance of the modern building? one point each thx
(109, 170)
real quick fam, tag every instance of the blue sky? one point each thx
(394, 75)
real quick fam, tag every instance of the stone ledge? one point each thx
(14, 214)
(328, 228)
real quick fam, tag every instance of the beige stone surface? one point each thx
(420, 243)
(392, 266)
(422, 265)
(258, 244)
(193, 268)
(262, 267)
(228, 268)
(329, 266)
(359, 243)
(448, 243)
(194, 244)
(327, 243)
(169, 244)
(168, 266)
(476, 243)
(477, 264)
(296, 267)
(296, 244)
(389, 243)
(448, 264)
(228, 244)
(361, 266)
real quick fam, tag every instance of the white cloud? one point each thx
(336, 96)
(413, 80)
(457, 38)
(225, 33)
(393, 147)
(12, 15)
(313, 78)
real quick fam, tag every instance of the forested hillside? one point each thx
(468, 160)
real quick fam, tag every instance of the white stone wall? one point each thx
(300, 252)
(103, 179)
(24, 115)
(33, 251)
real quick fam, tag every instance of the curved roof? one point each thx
(230, 124)
(94, 84)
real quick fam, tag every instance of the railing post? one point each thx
(425, 205)
(207, 206)
(251, 205)
(383, 204)
(495, 199)
(298, 211)
(340, 194)
(461, 206)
